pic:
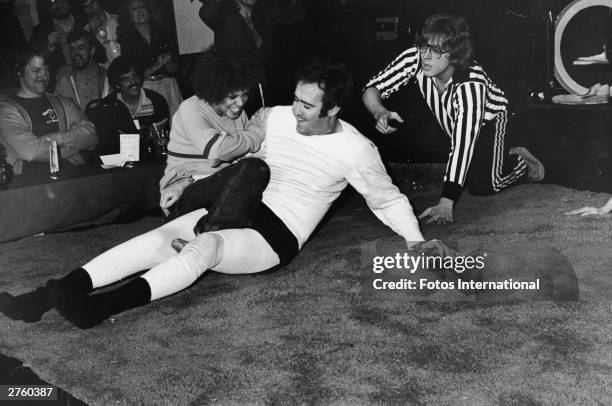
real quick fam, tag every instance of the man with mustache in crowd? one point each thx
(85, 80)
(129, 109)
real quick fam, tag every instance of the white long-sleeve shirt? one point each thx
(309, 172)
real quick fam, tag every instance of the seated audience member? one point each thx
(470, 108)
(588, 210)
(85, 80)
(312, 155)
(210, 128)
(103, 26)
(129, 109)
(54, 34)
(32, 118)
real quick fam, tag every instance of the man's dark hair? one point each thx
(24, 55)
(79, 33)
(216, 75)
(455, 35)
(334, 79)
(122, 65)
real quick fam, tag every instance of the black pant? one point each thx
(231, 196)
(492, 169)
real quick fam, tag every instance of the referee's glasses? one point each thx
(435, 50)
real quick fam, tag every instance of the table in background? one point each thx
(573, 142)
(84, 195)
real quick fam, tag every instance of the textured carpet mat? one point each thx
(318, 332)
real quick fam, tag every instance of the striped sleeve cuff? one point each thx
(452, 190)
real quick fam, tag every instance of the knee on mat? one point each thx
(203, 252)
(257, 167)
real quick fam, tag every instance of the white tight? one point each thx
(235, 251)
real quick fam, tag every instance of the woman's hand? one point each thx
(172, 193)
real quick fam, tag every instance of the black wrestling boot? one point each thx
(28, 307)
(87, 311)
(76, 283)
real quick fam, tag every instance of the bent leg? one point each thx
(231, 195)
(142, 252)
(492, 169)
(180, 271)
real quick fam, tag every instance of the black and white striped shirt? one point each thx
(469, 101)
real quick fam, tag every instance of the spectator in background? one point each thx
(32, 118)
(128, 109)
(85, 80)
(245, 28)
(53, 35)
(103, 26)
(144, 39)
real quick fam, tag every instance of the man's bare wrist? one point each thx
(379, 113)
(445, 201)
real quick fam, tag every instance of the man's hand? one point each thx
(71, 155)
(178, 244)
(441, 213)
(383, 119)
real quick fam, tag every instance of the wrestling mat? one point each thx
(319, 332)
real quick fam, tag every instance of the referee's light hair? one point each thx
(455, 37)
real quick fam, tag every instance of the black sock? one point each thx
(28, 307)
(77, 282)
(86, 311)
